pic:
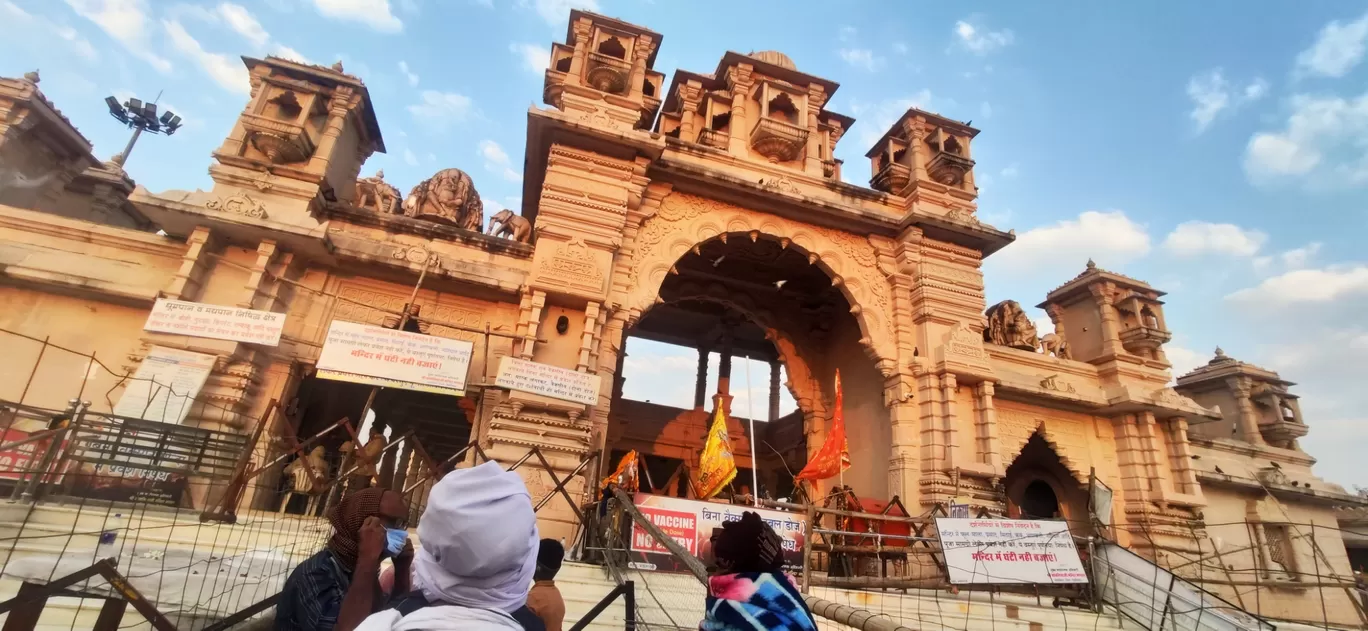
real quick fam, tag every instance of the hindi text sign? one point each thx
(1016, 551)
(165, 385)
(195, 319)
(691, 523)
(548, 381)
(361, 353)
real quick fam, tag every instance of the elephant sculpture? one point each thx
(449, 196)
(511, 226)
(376, 194)
(1008, 325)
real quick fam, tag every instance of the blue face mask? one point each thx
(394, 540)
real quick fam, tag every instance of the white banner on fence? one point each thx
(197, 319)
(361, 353)
(1009, 551)
(549, 381)
(165, 386)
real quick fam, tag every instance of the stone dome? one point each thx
(774, 57)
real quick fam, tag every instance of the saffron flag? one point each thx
(625, 476)
(717, 467)
(833, 457)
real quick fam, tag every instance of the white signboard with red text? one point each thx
(373, 355)
(691, 523)
(197, 319)
(549, 381)
(1018, 551)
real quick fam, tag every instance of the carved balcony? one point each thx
(777, 140)
(1140, 338)
(831, 168)
(1282, 432)
(608, 73)
(892, 178)
(949, 168)
(714, 138)
(283, 142)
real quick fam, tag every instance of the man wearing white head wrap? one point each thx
(478, 551)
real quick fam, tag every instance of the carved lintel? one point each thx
(238, 204)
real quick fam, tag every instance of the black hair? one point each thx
(549, 557)
(748, 545)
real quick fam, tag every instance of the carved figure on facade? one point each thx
(374, 193)
(1008, 325)
(510, 226)
(239, 204)
(1054, 344)
(449, 196)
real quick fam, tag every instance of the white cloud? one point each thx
(1010, 171)
(981, 42)
(1308, 286)
(1324, 143)
(408, 74)
(1193, 238)
(557, 12)
(1109, 237)
(442, 109)
(1212, 94)
(18, 18)
(243, 23)
(1183, 359)
(1296, 258)
(497, 161)
(534, 58)
(409, 158)
(900, 48)
(876, 118)
(862, 58)
(373, 13)
(291, 54)
(125, 21)
(846, 34)
(228, 72)
(1338, 48)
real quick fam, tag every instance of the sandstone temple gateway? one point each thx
(707, 211)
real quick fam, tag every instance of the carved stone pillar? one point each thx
(338, 107)
(591, 321)
(812, 163)
(740, 121)
(1111, 320)
(1246, 419)
(701, 381)
(774, 391)
(533, 323)
(988, 450)
(640, 52)
(1130, 458)
(949, 385)
(582, 46)
(932, 444)
(1149, 444)
(1185, 479)
(614, 336)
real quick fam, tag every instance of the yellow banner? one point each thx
(717, 467)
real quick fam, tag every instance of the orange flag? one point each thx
(625, 475)
(834, 455)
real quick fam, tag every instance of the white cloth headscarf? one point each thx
(479, 540)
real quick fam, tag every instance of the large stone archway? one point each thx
(683, 222)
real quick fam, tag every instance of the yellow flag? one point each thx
(716, 468)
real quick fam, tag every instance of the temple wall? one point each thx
(867, 424)
(1241, 527)
(109, 331)
(1082, 441)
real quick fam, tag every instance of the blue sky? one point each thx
(1218, 150)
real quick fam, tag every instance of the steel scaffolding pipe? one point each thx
(851, 617)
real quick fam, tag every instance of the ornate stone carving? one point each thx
(418, 254)
(780, 184)
(1053, 382)
(959, 216)
(599, 118)
(238, 204)
(1169, 397)
(511, 226)
(1054, 344)
(574, 264)
(1008, 325)
(449, 196)
(964, 342)
(684, 221)
(376, 194)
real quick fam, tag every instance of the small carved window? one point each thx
(1282, 562)
(781, 108)
(720, 122)
(612, 48)
(898, 155)
(563, 64)
(953, 146)
(288, 104)
(647, 88)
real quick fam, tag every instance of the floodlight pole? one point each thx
(128, 149)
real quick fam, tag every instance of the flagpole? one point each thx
(750, 415)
